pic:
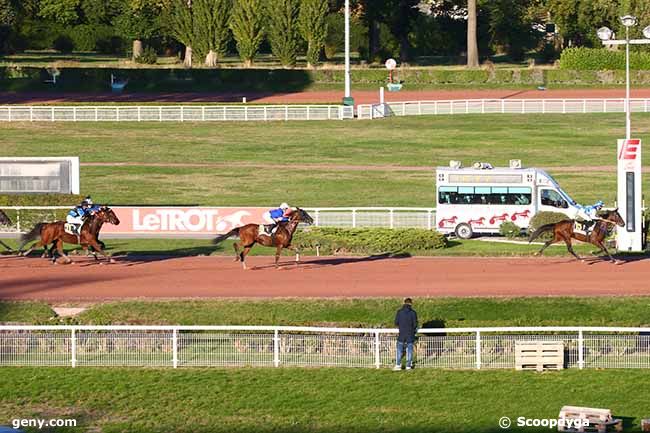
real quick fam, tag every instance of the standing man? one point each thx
(406, 320)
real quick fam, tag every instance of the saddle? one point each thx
(583, 227)
(71, 229)
(267, 229)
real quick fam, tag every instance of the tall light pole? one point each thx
(629, 196)
(347, 98)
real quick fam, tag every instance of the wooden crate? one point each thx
(600, 420)
(539, 355)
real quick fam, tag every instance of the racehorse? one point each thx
(5, 221)
(563, 231)
(55, 233)
(250, 235)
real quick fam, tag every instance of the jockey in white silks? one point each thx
(587, 214)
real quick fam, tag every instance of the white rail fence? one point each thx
(502, 106)
(275, 346)
(168, 113)
(24, 217)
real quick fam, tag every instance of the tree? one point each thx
(8, 19)
(247, 28)
(138, 20)
(211, 28)
(472, 41)
(181, 25)
(401, 15)
(313, 27)
(61, 11)
(282, 16)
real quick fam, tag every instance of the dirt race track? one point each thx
(211, 277)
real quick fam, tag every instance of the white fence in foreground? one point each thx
(275, 346)
(502, 106)
(24, 217)
(168, 113)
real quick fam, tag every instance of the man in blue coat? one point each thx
(406, 320)
(279, 215)
(77, 215)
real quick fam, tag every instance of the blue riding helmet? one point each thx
(599, 203)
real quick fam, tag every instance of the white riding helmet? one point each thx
(284, 206)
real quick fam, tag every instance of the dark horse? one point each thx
(48, 233)
(563, 231)
(4, 221)
(250, 235)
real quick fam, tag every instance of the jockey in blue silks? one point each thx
(587, 214)
(77, 214)
(279, 215)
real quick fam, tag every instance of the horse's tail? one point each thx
(543, 229)
(221, 238)
(34, 234)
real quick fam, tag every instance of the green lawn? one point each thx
(376, 312)
(386, 162)
(310, 400)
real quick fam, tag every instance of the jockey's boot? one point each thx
(268, 228)
(586, 225)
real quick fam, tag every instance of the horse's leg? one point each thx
(548, 243)
(59, 248)
(567, 241)
(235, 245)
(6, 246)
(295, 250)
(242, 255)
(278, 250)
(98, 250)
(33, 247)
(602, 246)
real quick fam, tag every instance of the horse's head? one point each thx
(613, 216)
(4, 219)
(301, 215)
(106, 214)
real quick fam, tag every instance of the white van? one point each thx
(479, 199)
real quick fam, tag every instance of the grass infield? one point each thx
(323, 400)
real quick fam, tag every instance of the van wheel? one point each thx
(464, 231)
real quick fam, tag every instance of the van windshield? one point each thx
(566, 196)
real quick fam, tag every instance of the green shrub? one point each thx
(597, 59)
(63, 44)
(510, 230)
(368, 241)
(148, 56)
(40, 199)
(543, 218)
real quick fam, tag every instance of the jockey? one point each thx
(77, 215)
(587, 214)
(279, 215)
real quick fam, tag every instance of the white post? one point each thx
(429, 216)
(276, 348)
(18, 220)
(482, 106)
(347, 49)
(73, 348)
(354, 218)
(392, 219)
(478, 350)
(31, 113)
(182, 114)
(139, 114)
(203, 113)
(466, 106)
(543, 106)
(286, 113)
(96, 114)
(160, 113)
(628, 127)
(584, 105)
(419, 108)
(265, 114)
(307, 112)
(581, 351)
(175, 348)
(117, 113)
(503, 106)
(74, 114)
(316, 215)
(245, 112)
(52, 114)
(564, 106)
(377, 354)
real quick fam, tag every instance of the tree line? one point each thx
(204, 31)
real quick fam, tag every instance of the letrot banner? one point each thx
(152, 221)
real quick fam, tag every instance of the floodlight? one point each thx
(646, 32)
(628, 20)
(604, 34)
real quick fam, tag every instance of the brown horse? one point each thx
(563, 231)
(48, 233)
(5, 221)
(250, 235)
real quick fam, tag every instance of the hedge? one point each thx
(40, 199)
(598, 59)
(334, 241)
(17, 78)
(543, 218)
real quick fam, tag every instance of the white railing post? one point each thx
(96, 114)
(523, 106)
(286, 113)
(354, 218)
(139, 114)
(308, 112)
(9, 112)
(160, 113)
(265, 114)
(604, 105)
(429, 216)
(581, 351)
(482, 106)
(52, 114)
(117, 113)
(377, 352)
(503, 106)
(435, 108)
(245, 112)
(466, 106)
(478, 350)
(182, 114)
(175, 348)
(31, 114)
(584, 105)
(316, 217)
(392, 218)
(74, 114)
(203, 113)
(18, 220)
(276, 348)
(73, 348)
(419, 108)
(564, 106)
(451, 107)
(645, 105)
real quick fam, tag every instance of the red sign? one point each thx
(184, 221)
(629, 149)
